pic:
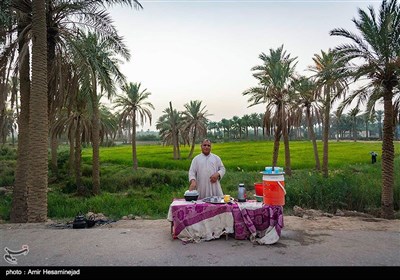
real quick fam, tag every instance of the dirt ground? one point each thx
(311, 238)
(310, 223)
(301, 219)
(290, 223)
(316, 220)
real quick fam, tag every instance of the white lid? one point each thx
(194, 192)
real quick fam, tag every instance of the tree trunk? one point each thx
(193, 142)
(277, 137)
(133, 139)
(52, 98)
(325, 136)
(19, 208)
(288, 167)
(54, 147)
(38, 119)
(312, 138)
(285, 126)
(81, 190)
(95, 141)
(71, 158)
(178, 150)
(387, 158)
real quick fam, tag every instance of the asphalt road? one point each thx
(149, 243)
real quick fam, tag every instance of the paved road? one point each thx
(148, 243)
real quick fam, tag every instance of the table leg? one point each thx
(173, 231)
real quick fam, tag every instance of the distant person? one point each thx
(206, 171)
(373, 157)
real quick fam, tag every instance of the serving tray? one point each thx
(216, 199)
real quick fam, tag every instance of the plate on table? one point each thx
(216, 199)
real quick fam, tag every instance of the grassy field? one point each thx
(353, 183)
(244, 156)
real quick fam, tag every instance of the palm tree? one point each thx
(134, 105)
(236, 127)
(226, 126)
(195, 122)
(169, 126)
(246, 120)
(337, 120)
(38, 121)
(108, 125)
(255, 123)
(274, 77)
(378, 52)
(331, 80)
(19, 210)
(213, 128)
(99, 74)
(353, 114)
(307, 101)
(76, 123)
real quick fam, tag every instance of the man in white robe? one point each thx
(206, 171)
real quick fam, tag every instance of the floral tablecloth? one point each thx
(257, 222)
(199, 221)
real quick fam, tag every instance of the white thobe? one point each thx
(201, 169)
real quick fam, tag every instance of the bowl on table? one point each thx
(258, 187)
(191, 195)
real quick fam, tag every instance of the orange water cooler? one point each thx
(274, 186)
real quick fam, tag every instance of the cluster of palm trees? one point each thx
(183, 127)
(66, 55)
(373, 56)
(351, 126)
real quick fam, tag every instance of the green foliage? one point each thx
(71, 187)
(8, 153)
(148, 137)
(5, 206)
(353, 188)
(117, 178)
(62, 158)
(148, 202)
(7, 168)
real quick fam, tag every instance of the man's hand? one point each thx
(214, 178)
(192, 185)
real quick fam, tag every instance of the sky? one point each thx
(183, 51)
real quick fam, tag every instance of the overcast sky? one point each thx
(204, 50)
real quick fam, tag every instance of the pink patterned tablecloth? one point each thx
(196, 221)
(255, 219)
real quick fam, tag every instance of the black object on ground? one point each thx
(373, 157)
(79, 221)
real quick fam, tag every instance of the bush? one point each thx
(7, 169)
(7, 153)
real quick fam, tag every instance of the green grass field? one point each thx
(246, 156)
